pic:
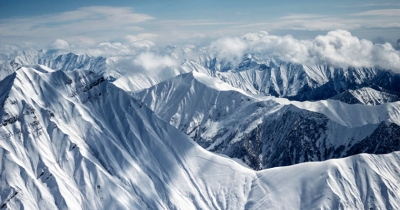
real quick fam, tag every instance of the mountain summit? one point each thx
(73, 140)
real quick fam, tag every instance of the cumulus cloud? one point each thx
(229, 48)
(338, 48)
(342, 49)
(139, 37)
(111, 49)
(149, 61)
(141, 40)
(59, 44)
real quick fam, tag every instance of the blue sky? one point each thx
(85, 22)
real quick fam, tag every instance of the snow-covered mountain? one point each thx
(366, 96)
(302, 82)
(267, 132)
(72, 140)
(57, 60)
(258, 74)
(111, 68)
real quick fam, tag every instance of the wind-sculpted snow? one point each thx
(257, 72)
(267, 132)
(302, 82)
(366, 96)
(330, 185)
(81, 143)
(72, 140)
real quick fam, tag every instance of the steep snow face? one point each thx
(72, 140)
(137, 81)
(11, 62)
(268, 132)
(330, 184)
(300, 82)
(265, 79)
(70, 62)
(367, 96)
(8, 63)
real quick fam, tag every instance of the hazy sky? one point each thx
(86, 22)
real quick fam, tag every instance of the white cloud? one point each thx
(114, 49)
(80, 42)
(143, 44)
(229, 48)
(101, 22)
(196, 22)
(134, 39)
(59, 44)
(337, 48)
(130, 46)
(152, 62)
(301, 16)
(373, 20)
(379, 12)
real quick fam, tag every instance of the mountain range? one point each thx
(84, 132)
(266, 131)
(254, 73)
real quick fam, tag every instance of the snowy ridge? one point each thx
(12, 62)
(255, 73)
(265, 131)
(73, 140)
(141, 80)
(61, 60)
(74, 136)
(299, 82)
(367, 96)
(330, 184)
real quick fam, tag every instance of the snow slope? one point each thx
(255, 73)
(262, 75)
(62, 60)
(367, 96)
(350, 183)
(72, 140)
(266, 131)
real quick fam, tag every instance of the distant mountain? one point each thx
(268, 132)
(72, 140)
(257, 74)
(301, 82)
(63, 61)
(367, 96)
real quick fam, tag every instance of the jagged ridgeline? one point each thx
(254, 73)
(267, 132)
(73, 140)
(317, 137)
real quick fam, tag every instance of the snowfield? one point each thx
(73, 140)
(264, 131)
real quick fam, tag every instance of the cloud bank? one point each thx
(153, 62)
(337, 48)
